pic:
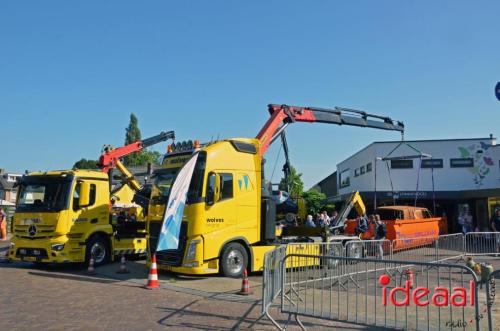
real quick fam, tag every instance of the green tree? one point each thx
(133, 134)
(85, 164)
(315, 201)
(294, 183)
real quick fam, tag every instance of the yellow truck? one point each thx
(229, 221)
(70, 215)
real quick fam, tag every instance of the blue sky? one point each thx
(72, 72)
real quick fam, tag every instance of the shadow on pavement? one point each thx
(82, 278)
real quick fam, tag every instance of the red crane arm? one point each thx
(108, 159)
(282, 115)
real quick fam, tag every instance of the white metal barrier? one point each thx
(311, 272)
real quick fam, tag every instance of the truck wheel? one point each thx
(234, 260)
(334, 251)
(356, 250)
(98, 247)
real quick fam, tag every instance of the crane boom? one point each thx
(111, 156)
(283, 115)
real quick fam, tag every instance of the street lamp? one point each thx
(375, 197)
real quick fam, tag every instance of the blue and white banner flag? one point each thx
(171, 227)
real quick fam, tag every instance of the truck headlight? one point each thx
(57, 247)
(192, 249)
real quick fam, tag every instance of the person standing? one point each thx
(3, 225)
(334, 216)
(325, 219)
(468, 223)
(495, 226)
(310, 222)
(362, 226)
(380, 234)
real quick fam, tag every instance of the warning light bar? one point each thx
(184, 146)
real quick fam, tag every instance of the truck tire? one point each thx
(356, 250)
(233, 260)
(334, 251)
(98, 246)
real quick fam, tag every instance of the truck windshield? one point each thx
(43, 194)
(164, 179)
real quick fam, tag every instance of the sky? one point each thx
(72, 72)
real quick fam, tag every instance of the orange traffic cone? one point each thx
(90, 269)
(153, 274)
(123, 266)
(245, 287)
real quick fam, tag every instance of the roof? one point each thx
(416, 141)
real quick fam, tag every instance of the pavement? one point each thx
(59, 297)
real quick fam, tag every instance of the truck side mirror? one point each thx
(213, 189)
(84, 196)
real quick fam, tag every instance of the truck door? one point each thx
(220, 212)
(92, 214)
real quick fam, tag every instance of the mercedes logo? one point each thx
(32, 230)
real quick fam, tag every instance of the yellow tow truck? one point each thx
(67, 216)
(229, 220)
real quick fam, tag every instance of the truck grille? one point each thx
(42, 231)
(170, 257)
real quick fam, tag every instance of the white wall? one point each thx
(484, 175)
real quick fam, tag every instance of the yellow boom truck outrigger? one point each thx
(229, 220)
(70, 215)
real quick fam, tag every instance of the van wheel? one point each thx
(234, 260)
(98, 247)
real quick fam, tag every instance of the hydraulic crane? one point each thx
(283, 115)
(110, 157)
(229, 219)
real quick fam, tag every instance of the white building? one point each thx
(462, 175)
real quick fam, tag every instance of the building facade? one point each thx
(8, 190)
(450, 177)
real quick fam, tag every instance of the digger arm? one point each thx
(283, 115)
(355, 201)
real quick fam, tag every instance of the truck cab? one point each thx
(222, 218)
(65, 216)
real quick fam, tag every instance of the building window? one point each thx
(356, 172)
(467, 162)
(345, 178)
(369, 167)
(401, 164)
(432, 163)
(362, 170)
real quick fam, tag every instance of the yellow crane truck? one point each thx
(229, 221)
(70, 215)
